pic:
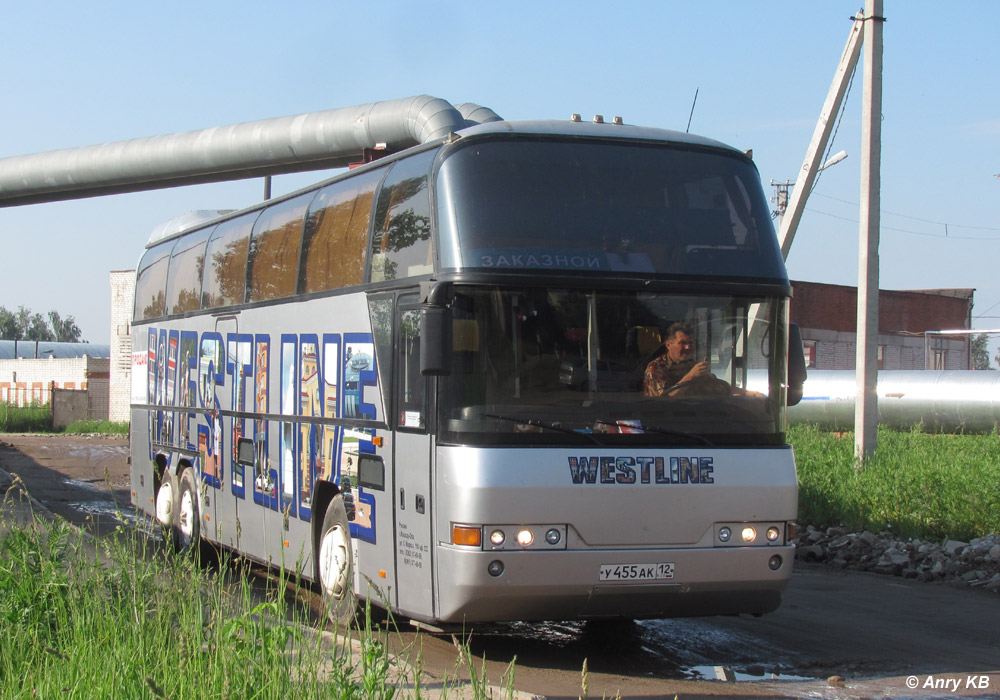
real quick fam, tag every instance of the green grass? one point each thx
(917, 484)
(118, 620)
(35, 418)
(72, 627)
(102, 427)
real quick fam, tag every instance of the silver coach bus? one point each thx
(421, 383)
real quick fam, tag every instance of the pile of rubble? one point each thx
(975, 563)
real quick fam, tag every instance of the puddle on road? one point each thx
(722, 673)
(127, 516)
(675, 649)
(88, 452)
(98, 484)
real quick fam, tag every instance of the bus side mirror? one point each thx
(796, 365)
(435, 340)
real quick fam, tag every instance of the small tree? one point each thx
(24, 325)
(979, 354)
(66, 330)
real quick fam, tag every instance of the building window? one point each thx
(809, 349)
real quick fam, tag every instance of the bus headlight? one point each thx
(497, 537)
(744, 534)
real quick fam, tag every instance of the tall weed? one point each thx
(35, 418)
(120, 620)
(102, 427)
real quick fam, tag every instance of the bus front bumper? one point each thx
(568, 585)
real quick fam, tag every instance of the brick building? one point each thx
(29, 372)
(827, 315)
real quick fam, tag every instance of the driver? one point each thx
(672, 372)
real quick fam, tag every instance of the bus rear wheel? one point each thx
(166, 499)
(187, 520)
(335, 565)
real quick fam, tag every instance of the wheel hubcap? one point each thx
(333, 563)
(164, 503)
(185, 515)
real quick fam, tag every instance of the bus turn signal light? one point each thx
(466, 535)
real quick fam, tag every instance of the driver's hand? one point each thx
(701, 369)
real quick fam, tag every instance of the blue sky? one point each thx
(78, 74)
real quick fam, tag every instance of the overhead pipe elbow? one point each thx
(313, 141)
(477, 114)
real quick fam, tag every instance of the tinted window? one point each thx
(604, 206)
(333, 244)
(187, 263)
(226, 269)
(581, 366)
(274, 250)
(151, 282)
(401, 243)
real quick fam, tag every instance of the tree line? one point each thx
(25, 325)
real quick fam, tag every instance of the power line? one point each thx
(918, 233)
(913, 218)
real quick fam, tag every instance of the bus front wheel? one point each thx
(335, 565)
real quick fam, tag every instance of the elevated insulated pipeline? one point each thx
(314, 141)
(940, 400)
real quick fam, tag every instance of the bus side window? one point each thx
(401, 243)
(336, 230)
(410, 383)
(184, 275)
(273, 257)
(151, 282)
(225, 272)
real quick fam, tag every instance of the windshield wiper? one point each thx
(535, 423)
(664, 431)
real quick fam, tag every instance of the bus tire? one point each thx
(166, 499)
(187, 520)
(335, 565)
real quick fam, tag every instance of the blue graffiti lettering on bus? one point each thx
(644, 470)
(229, 377)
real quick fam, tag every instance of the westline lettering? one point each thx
(643, 470)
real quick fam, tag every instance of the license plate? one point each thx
(636, 572)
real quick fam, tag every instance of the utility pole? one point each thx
(866, 405)
(781, 194)
(796, 204)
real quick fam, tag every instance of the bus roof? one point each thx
(533, 127)
(551, 127)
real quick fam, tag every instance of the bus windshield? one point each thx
(604, 207)
(569, 366)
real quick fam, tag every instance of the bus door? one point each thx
(411, 454)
